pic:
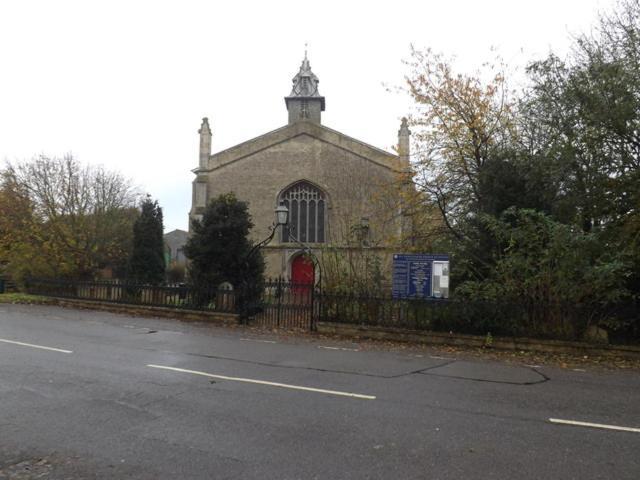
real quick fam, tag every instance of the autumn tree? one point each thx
(465, 163)
(461, 123)
(16, 234)
(75, 219)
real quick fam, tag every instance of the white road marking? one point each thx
(270, 384)
(578, 369)
(532, 366)
(339, 348)
(36, 346)
(256, 340)
(594, 425)
(440, 358)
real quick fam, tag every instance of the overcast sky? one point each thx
(126, 83)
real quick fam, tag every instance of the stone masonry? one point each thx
(358, 180)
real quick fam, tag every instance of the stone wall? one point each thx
(357, 179)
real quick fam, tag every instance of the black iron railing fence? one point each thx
(291, 305)
(171, 296)
(288, 304)
(562, 321)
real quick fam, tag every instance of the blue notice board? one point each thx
(412, 274)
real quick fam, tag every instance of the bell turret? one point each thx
(305, 102)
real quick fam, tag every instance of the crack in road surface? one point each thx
(429, 371)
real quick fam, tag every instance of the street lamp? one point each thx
(282, 215)
(282, 218)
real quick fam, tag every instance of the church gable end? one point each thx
(330, 182)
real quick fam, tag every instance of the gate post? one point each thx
(279, 305)
(312, 312)
(316, 304)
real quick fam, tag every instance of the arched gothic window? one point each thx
(307, 205)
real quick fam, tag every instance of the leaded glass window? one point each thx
(306, 205)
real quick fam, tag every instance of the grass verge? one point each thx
(24, 298)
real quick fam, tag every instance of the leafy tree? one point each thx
(544, 261)
(583, 117)
(567, 102)
(147, 258)
(16, 235)
(540, 194)
(219, 250)
(544, 264)
(568, 147)
(64, 219)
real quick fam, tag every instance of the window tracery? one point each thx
(307, 205)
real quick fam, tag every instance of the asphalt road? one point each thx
(122, 397)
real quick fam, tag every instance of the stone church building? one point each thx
(342, 194)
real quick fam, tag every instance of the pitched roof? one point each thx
(314, 130)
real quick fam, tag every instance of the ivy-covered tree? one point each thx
(147, 259)
(219, 250)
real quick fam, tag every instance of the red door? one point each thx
(302, 270)
(302, 277)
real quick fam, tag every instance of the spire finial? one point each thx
(404, 127)
(306, 45)
(204, 127)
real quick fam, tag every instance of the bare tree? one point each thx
(365, 227)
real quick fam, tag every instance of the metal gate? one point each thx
(288, 305)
